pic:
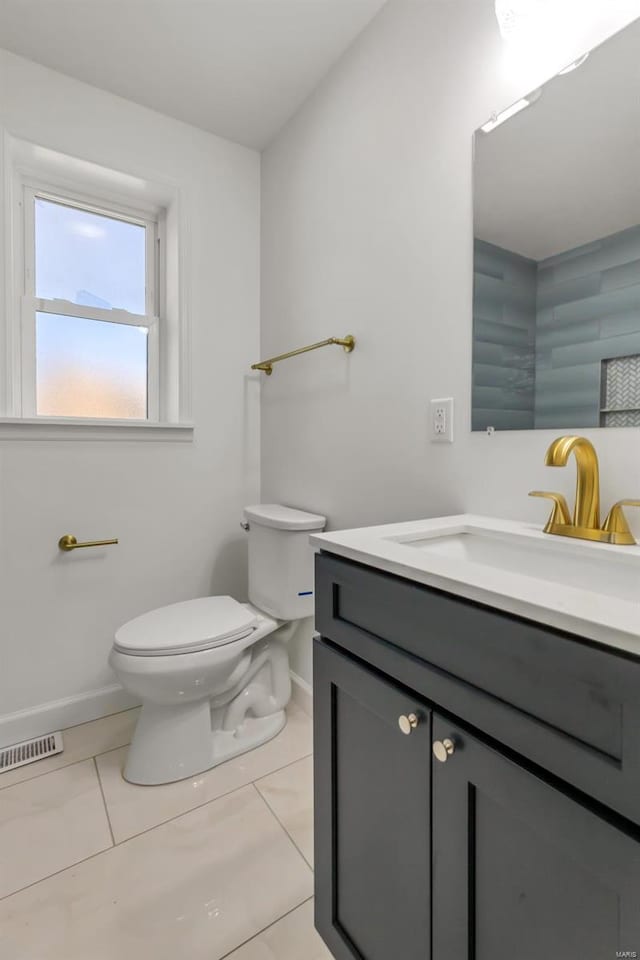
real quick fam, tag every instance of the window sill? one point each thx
(62, 428)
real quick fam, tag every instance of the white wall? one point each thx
(366, 229)
(175, 506)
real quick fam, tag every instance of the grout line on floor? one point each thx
(103, 753)
(112, 749)
(156, 825)
(70, 866)
(185, 813)
(227, 793)
(62, 766)
(264, 929)
(104, 802)
(274, 814)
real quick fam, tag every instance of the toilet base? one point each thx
(177, 740)
(255, 731)
(174, 744)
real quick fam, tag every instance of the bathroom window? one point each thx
(90, 313)
(95, 331)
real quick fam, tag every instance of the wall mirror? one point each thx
(556, 302)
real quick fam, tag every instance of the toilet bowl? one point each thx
(212, 674)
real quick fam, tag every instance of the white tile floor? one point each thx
(93, 868)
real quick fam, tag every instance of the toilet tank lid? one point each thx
(284, 518)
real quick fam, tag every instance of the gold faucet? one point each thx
(585, 524)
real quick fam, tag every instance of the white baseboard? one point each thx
(59, 714)
(302, 693)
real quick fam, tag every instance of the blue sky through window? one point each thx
(86, 367)
(89, 259)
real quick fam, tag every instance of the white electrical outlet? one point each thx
(441, 420)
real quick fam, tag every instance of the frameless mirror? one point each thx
(556, 303)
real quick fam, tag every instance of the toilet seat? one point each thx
(186, 627)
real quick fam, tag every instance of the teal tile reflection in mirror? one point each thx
(557, 249)
(621, 392)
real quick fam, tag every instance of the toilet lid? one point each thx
(186, 627)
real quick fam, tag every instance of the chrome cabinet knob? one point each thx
(408, 723)
(443, 749)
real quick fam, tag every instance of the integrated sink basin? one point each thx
(558, 563)
(588, 589)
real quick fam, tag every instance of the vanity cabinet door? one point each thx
(521, 870)
(372, 813)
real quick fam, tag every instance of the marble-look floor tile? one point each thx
(289, 793)
(292, 938)
(133, 809)
(196, 887)
(80, 743)
(50, 823)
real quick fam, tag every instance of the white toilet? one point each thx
(212, 674)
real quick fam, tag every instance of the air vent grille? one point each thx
(29, 751)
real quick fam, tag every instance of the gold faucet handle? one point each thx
(560, 513)
(616, 522)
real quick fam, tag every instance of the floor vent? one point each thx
(29, 751)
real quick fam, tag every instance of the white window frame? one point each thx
(31, 190)
(131, 196)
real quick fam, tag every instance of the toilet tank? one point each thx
(281, 560)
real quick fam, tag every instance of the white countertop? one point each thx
(588, 589)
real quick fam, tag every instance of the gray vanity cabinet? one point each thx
(485, 853)
(521, 870)
(372, 783)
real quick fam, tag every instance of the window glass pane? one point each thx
(90, 368)
(89, 259)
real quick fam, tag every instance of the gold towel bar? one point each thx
(347, 342)
(69, 542)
